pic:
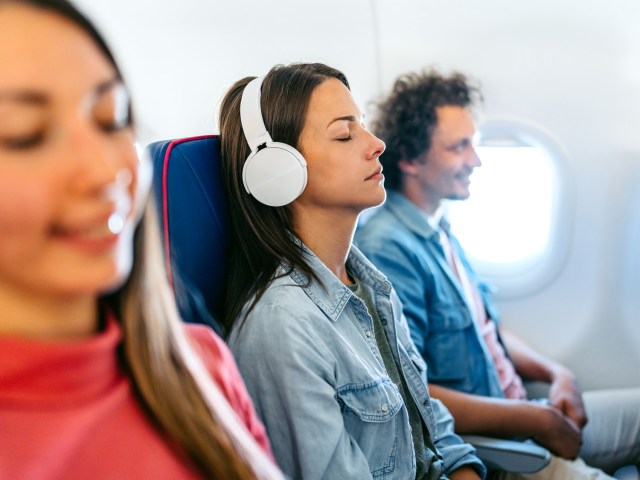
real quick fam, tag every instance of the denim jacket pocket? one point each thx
(448, 316)
(451, 329)
(374, 401)
(370, 412)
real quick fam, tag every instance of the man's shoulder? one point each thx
(382, 226)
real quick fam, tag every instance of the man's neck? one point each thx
(416, 195)
(434, 220)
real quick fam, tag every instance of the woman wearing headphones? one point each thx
(98, 376)
(317, 331)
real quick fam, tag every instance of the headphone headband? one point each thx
(251, 116)
(275, 174)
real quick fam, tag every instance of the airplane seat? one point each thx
(187, 186)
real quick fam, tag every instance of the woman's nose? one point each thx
(378, 146)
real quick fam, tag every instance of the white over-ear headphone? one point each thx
(275, 173)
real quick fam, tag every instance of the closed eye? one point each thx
(22, 142)
(112, 108)
(114, 125)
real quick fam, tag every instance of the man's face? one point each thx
(443, 172)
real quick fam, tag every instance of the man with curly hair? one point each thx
(475, 366)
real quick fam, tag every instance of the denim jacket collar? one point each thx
(413, 220)
(411, 216)
(331, 295)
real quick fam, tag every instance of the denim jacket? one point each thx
(402, 244)
(311, 364)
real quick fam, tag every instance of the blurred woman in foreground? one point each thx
(98, 376)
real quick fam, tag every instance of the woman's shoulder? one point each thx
(283, 315)
(213, 352)
(284, 299)
(222, 367)
(220, 363)
(269, 323)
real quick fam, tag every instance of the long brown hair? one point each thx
(171, 383)
(261, 236)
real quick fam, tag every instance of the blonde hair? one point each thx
(172, 383)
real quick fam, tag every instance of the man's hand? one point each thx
(464, 473)
(566, 396)
(559, 433)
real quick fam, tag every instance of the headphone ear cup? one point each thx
(275, 175)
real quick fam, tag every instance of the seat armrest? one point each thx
(509, 455)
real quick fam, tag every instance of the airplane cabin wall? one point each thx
(181, 56)
(570, 67)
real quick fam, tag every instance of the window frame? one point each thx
(526, 277)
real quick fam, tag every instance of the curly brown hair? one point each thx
(406, 119)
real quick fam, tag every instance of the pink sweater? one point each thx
(68, 412)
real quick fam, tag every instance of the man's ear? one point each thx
(408, 168)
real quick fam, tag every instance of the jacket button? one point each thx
(368, 333)
(384, 407)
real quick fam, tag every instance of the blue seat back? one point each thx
(187, 186)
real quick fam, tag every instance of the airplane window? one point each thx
(511, 226)
(507, 218)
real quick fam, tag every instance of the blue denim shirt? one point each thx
(308, 356)
(401, 243)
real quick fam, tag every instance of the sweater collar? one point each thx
(40, 374)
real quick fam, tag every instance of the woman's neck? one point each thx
(329, 236)
(51, 317)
